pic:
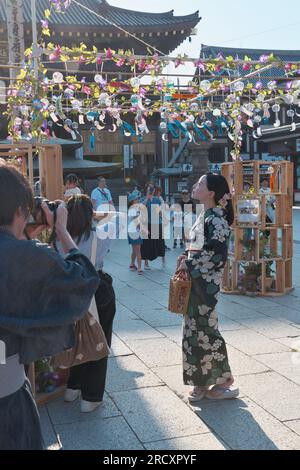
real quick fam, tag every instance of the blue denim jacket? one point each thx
(41, 296)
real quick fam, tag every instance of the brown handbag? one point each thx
(90, 341)
(90, 345)
(179, 293)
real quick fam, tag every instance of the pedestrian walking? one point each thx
(101, 197)
(134, 231)
(153, 245)
(71, 186)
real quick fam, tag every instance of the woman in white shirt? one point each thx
(88, 380)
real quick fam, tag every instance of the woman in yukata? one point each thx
(205, 360)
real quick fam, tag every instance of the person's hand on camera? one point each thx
(61, 217)
(48, 214)
(33, 231)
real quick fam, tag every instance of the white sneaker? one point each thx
(88, 406)
(71, 395)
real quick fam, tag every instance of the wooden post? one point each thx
(51, 172)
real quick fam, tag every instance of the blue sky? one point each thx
(235, 23)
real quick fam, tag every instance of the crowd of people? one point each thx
(40, 306)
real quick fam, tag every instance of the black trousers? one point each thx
(90, 378)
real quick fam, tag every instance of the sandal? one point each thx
(140, 272)
(224, 393)
(197, 395)
(133, 267)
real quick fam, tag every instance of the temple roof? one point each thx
(254, 54)
(273, 73)
(77, 16)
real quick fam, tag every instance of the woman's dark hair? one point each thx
(72, 179)
(80, 217)
(15, 193)
(218, 184)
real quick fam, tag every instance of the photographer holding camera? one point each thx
(42, 296)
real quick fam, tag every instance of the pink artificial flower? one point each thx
(86, 89)
(287, 67)
(142, 64)
(246, 67)
(200, 65)
(263, 58)
(120, 62)
(109, 53)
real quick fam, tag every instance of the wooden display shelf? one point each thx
(257, 294)
(259, 242)
(43, 398)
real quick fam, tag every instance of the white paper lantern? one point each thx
(57, 77)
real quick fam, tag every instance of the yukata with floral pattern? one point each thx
(205, 360)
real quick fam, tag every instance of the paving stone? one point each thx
(158, 414)
(48, 433)
(172, 376)
(289, 301)
(294, 426)
(284, 314)
(104, 434)
(66, 413)
(286, 364)
(226, 324)
(276, 394)
(129, 373)
(236, 311)
(157, 352)
(174, 333)
(254, 303)
(245, 426)
(119, 348)
(158, 316)
(198, 442)
(133, 329)
(292, 343)
(252, 343)
(270, 327)
(242, 364)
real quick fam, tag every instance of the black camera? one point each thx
(38, 216)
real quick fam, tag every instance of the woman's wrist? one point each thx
(65, 238)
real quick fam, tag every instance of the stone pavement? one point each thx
(146, 403)
(296, 221)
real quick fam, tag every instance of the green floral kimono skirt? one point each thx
(205, 359)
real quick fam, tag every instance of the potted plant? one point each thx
(252, 271)
(269, 281)
(248, 249)
(264, 249)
